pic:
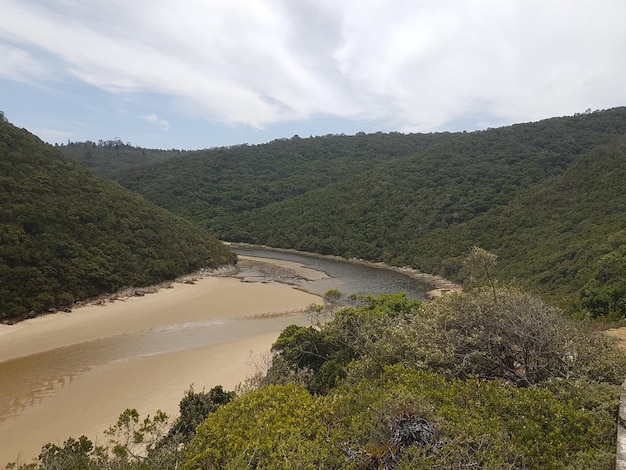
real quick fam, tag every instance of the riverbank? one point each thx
(439, 285)
(211, 329)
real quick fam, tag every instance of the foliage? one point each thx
(553, 237)
(76, 454)
(326, 352)
(412, 419)
(132, 445)
(67, 235)
(428, 386)
(517, 338)
(272, 428)
(546, 197)
(110, 157)
(194, 408)
(210, 185)
(480, 264)
(514, 336)
(605, 294)
(474, 423)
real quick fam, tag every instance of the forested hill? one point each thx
(209, 184)
(66, 234)
(528, 193)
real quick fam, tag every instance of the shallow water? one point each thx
(66, 375)
(348, 278)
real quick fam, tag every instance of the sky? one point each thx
(195, 74)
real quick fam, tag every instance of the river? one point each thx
(345, 276)
(70, 374)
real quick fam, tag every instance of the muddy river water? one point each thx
(70, 374)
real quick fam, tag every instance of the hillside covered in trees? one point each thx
(67, 234)
(546, 197)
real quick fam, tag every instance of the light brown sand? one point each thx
(92, 401)
(209, 298)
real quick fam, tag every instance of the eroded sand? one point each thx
(88, 402)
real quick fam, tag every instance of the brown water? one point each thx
(71, 374)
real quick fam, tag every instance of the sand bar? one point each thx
(88, 401)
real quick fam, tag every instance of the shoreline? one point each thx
(107, 313)
(216, 325)
(440, 285)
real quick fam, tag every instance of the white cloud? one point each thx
(18, 64)
(415, 64)
(514, 59)
(154, 119)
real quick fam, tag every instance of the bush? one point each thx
(275, 427)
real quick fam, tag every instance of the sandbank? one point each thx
(90, 401)
(207, 298)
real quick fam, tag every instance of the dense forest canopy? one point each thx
(66, 234)
(546, 197)
(210, 184)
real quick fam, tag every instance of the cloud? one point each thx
(514, 59)
(415, 65)
(18, 64)
(161, 123)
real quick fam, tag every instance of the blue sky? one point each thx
(193, 74)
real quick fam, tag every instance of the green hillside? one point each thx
(66, 234)
(215, 184)
(546, 197)
(557, 236)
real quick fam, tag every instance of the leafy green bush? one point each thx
(275, 427)
(413, 419)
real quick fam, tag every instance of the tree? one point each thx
(194, 408)
(518, 338)
(132, 439)
(76, 454)
(480, 264)
(605, 294)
